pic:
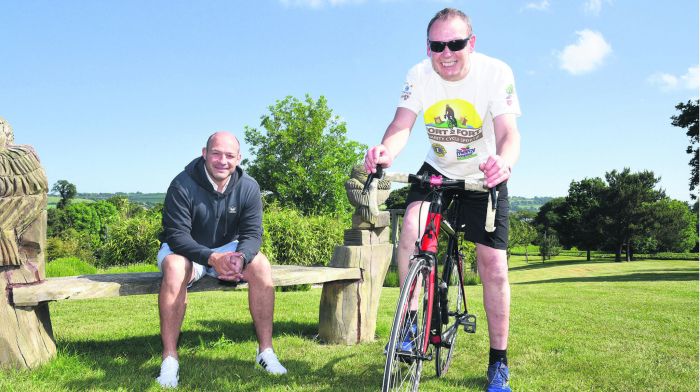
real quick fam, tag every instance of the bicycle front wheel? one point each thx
(404, 353)
(444, 350)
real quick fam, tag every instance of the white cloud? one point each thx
(669, 82)
(586, 55)
(593, 7)
(541, 6)
(316, 4)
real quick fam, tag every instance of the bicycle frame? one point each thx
(429, 248)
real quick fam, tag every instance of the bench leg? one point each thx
(348, 310)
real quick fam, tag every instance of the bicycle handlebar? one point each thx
(439, 182)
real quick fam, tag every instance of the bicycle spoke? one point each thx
(404, 360)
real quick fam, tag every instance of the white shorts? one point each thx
(199, 269)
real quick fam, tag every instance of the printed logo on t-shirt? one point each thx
(510, 89)
(406, 92)
(466, 152)
(453, 120)
(439, 149)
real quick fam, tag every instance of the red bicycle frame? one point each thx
(429, 246)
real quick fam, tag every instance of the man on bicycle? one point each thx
(484, 143)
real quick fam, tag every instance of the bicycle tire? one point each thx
(402, 372)
(444, 350)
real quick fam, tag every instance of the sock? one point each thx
(498, 356)
(413, 316)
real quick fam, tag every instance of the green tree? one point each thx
(672, 225)
(548, 219)
(550, 215)
(397, 199)
(688, 118)
(125, 208)
(624, 211)
(549, 245)
(521, 232)
(66, 190)
(303, 156)
(581, 223)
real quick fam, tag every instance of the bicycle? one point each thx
(432, 329)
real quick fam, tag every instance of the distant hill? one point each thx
(517, 203)
(145, 199)
(533, 204)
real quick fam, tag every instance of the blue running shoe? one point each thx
(498, 375)
(409, 339)
(408, 343)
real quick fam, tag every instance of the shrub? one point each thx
(70, 244)
(132, 240)
(69, 266)
(471, 278)
(392, 277)
(293, 239)
(296, 287)
(121, 269)
(667, 256)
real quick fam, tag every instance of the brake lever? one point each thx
(494, 197)
(371, 176)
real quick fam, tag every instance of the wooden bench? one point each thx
(347, 310)
(117, 285)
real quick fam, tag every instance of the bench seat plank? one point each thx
(116, 285)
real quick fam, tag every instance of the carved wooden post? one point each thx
(26, 338)
(348, 310)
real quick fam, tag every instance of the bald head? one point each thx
(225, 137)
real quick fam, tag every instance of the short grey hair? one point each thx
(447, 13)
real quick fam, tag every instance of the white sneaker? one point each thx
(169, 373)
(268, 360)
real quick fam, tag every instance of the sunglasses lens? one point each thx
(437, 46)
(457, 45)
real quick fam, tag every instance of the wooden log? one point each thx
(116, 285)
(348, 311)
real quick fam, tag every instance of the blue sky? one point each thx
(120, 95)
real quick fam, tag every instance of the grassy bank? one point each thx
(576, 326)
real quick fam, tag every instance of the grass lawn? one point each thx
(575, 326)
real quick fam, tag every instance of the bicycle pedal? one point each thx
(469, 322)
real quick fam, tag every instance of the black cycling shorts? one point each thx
(473, 211)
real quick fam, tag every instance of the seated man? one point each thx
(212, 224)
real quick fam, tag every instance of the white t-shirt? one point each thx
(459, 115)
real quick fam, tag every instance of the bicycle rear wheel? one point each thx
(404, 356)
(444, 350)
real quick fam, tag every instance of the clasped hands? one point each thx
(229, 265)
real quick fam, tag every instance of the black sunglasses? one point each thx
(454, 45)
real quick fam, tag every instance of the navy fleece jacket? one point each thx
(196, 218)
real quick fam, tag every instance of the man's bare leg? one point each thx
(261, 298)
(172, 300)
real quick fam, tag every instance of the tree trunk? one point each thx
(588, 255)
(618, 253)
(629, 251)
